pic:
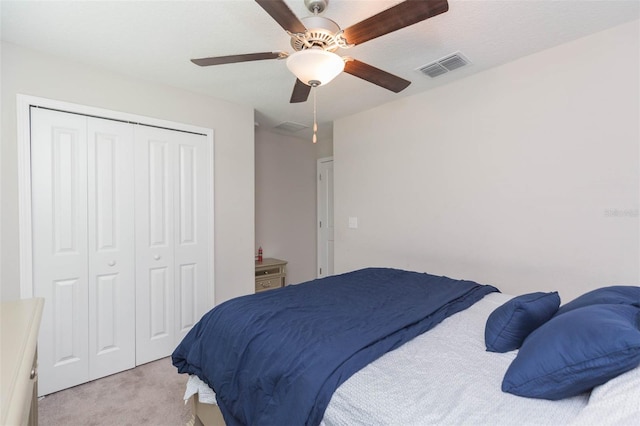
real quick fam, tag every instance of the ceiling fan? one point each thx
(316, 38)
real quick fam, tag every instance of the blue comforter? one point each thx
(276, 357)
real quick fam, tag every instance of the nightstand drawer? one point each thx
(270, 271)
(268, 284)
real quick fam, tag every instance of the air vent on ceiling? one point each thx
(444, 65)
(290, 127)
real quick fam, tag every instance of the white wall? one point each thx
(286, 201)
(525, 176)
(32, 73)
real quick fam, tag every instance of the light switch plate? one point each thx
(353, 222)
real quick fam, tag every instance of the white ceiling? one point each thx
(154, 40)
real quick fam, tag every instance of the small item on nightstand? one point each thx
(260, 254)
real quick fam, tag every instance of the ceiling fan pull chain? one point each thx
(315, 121)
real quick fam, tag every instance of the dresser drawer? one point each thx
(18, 365)
(268, 284)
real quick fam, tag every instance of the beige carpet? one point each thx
(150, 394)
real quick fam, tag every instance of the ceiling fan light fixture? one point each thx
(315, 65)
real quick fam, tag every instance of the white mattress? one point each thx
(444, 376)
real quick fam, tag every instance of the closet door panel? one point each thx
(158, 181)
(192, 253)
(59, 227)
(154, 202)
(111, 247)
(188, 309)
(107, 336)
(158, 299)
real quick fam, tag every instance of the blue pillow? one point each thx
(511, 323)
(617, 294)
(573, 352)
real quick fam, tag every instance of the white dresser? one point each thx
(19, 322)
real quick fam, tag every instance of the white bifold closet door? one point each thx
(83, 250)
(121, 242)
(172, 207)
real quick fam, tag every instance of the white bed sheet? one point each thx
(616, 402)
(444, 376)
(206, 395)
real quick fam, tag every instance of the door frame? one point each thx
(23, 107)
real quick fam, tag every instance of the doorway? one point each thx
(325, 217)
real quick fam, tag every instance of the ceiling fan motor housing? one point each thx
(321, 32)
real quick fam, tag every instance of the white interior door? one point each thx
(192, 252)
(60, 251)
(111, 247)
(172, 228)
(154, 248)
(83, 250)
(325, 217)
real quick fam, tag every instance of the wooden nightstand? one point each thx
(270, 273)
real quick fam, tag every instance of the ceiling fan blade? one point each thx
(402, 15)
(300, 92)
(376, 76)
(279, 11)
(219, 60)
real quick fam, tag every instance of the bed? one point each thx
(428, 365)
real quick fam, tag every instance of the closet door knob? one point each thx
(112, 263)
(156, 257)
